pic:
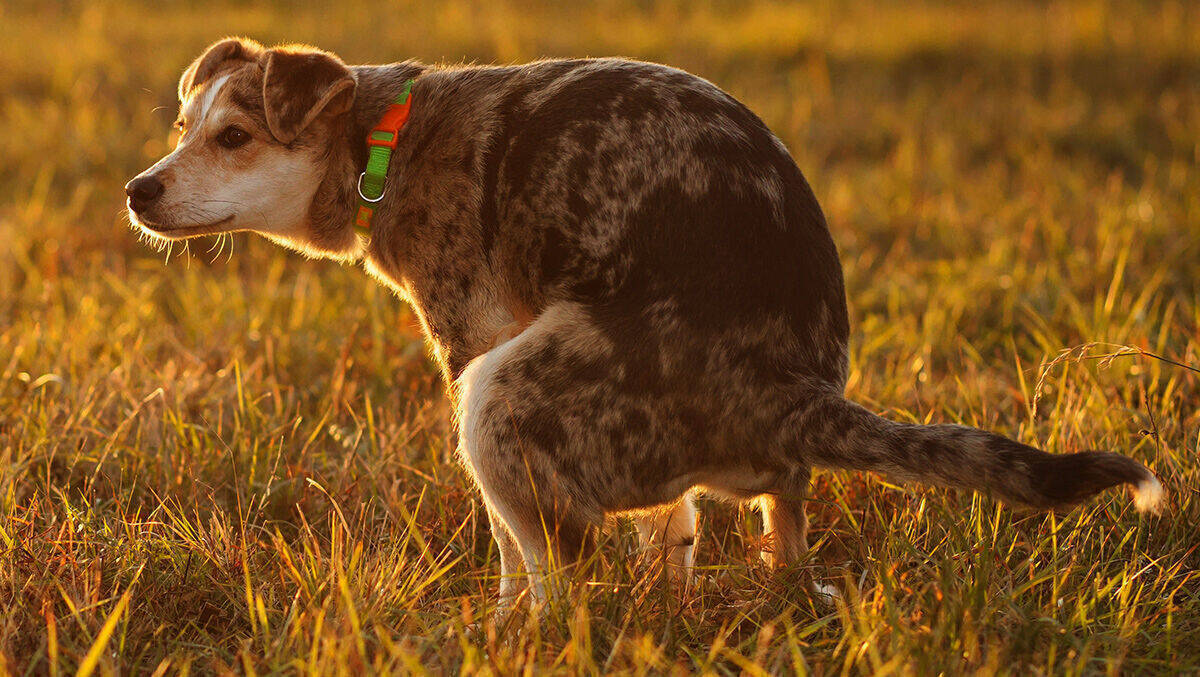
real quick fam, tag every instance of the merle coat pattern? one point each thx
(623, 275)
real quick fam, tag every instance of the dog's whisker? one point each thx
(220, 247)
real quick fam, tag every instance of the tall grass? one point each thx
(242, 463)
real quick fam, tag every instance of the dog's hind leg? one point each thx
(537, 532)
(670, 534)
(549, 530)
(512, 562)
(516, 441)
(785, 532)
(785, 529)
(534, 510)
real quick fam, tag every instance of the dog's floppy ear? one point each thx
(202, 69)
(300, 83)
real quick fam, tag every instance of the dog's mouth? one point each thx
(184, 231)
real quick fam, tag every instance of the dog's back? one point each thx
(657, 200)
(646, 194)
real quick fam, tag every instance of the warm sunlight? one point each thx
(787, 338)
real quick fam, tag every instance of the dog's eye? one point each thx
(232, 137)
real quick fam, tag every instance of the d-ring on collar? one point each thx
(380, 144)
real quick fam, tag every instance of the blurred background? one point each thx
(232, 454)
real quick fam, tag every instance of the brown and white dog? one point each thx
(623, 275)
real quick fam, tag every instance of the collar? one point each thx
(381, 141)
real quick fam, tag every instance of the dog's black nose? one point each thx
(142, 192)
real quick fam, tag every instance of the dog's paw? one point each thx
(825, 594)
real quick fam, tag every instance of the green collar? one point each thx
(380, 144)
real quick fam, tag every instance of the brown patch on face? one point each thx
(230, 101)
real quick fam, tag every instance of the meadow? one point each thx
(237, 460)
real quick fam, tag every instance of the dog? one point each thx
(624, 277)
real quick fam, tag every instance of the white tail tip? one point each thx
(1148, 495)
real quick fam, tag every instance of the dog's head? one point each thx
(255, 129)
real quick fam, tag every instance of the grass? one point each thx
(243, 462)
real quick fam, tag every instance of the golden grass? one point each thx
(244, 464)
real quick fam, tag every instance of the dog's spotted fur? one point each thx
(621, 271)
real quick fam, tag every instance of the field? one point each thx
(239, 460)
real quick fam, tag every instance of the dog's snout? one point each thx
(143, 191)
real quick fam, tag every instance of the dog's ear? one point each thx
(300, 83)
(203, 68)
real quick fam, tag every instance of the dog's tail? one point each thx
(836, 433)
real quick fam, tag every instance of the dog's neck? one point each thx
(378, 87)
(336, 201)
